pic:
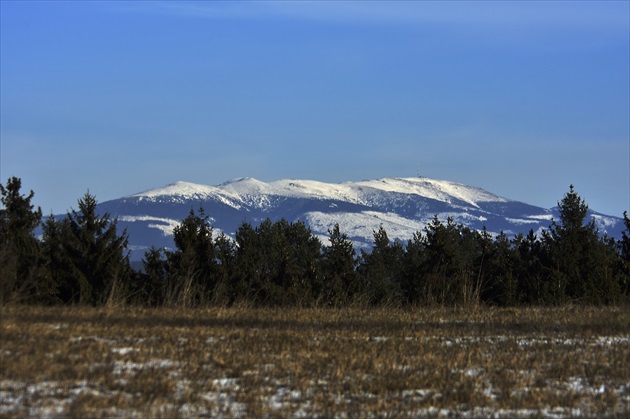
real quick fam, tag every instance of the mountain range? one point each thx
(402, 206)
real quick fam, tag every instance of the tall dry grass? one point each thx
(243, 362)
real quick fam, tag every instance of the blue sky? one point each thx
(519, 98)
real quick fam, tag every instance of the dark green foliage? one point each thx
(193, 265)
(151, 286)
(529, 269)
(56, 261)
(277, 264)
(580, 262)
(87, 256)
(19, 249)
(82, 259)
(624, 260)
(339, 270)
(225, 250)
(413, 284)
(496, 268)
(382, 270)
(190, 275)
(450, 271)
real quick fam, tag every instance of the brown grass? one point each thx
(97, 362)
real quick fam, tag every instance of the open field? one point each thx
(239, 362)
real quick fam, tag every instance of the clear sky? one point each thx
(519, 98)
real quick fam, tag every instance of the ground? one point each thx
(242, 362)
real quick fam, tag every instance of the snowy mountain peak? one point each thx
(249, 190)
(180, 189)
(244, 185)
(440, 190)
(403, 206)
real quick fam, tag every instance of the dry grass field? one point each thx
(241, 362)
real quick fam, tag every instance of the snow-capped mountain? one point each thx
(402, 206)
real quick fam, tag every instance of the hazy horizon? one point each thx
(519, 98)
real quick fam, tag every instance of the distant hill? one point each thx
(401, 205)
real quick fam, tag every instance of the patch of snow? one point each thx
(167, 224)
(363, 224)
(225, 382)
(520, 221)
(123, 351)
(612, 340)
(543, 217)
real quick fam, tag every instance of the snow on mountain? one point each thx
(402, 206)
(184, 190)
(438, 190)
(249, 190)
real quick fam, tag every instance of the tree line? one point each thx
(84, 259)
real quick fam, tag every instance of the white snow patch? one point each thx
(364, 224)
(521, 221)
(166, 224)
(544, 217)
(124, 351)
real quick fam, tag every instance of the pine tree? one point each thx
(413, 285)
(623, 247)
(277, 264)
(500, 285)
(340, 283)
(91, 256)
(302, 263)
(250, 275)
(529, 269)
(382, 270)
(56, 261)
(155, 281)
(193, 264)
(225, 250)
(446, 266)
(624, 244)
(579, 260)
(19, 249)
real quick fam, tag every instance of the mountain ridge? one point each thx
(402, 206)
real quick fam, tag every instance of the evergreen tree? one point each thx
(341, 280)
(302, 263)
(19, 249)
(56, 262)
(225, 251)
(624, 260)
(382, 270)
(497, 269)
(529, 269)
(449, 263)
(86, 250)
(580, 261)
(277, 263)
(193, 264)
(250, 275)
(154, 283)
(413, 284)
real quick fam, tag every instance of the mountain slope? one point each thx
(401, 205)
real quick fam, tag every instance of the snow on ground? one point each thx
(364, 224)
(217, 396)
(166, 225)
